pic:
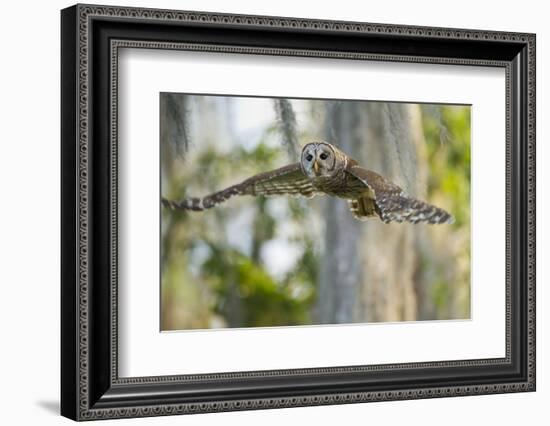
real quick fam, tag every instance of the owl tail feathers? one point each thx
(408, 209)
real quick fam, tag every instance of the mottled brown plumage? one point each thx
(324, 169)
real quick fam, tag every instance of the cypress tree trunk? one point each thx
(368, 268)
(340, 269)
(388, 256)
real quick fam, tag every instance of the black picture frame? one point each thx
(90, 386)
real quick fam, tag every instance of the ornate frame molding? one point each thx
(92, 400)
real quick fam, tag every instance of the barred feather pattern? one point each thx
(402, 208)
(200, 204)
(288, 180)
(390, 202)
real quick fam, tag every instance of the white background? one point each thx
(29, 229)
(146, 352)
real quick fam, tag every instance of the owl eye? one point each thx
(323, 156)
(309, 157)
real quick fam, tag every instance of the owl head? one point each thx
(321, 159)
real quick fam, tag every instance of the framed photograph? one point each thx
(263, 212)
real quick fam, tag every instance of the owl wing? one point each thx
(287, 180)
(390, 202)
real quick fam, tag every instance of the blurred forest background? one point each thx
(285, 261)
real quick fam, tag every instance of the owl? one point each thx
(326, 170)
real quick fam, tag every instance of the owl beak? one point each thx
(316, 167)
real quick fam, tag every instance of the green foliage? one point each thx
(440, 295)
(262, 300)
(447, 134)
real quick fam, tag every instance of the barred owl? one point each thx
(325, 169)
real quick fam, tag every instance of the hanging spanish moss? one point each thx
(174, 129)
(286, 123)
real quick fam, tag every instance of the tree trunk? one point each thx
(340, 270)
(389, 257)
(368, 267)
